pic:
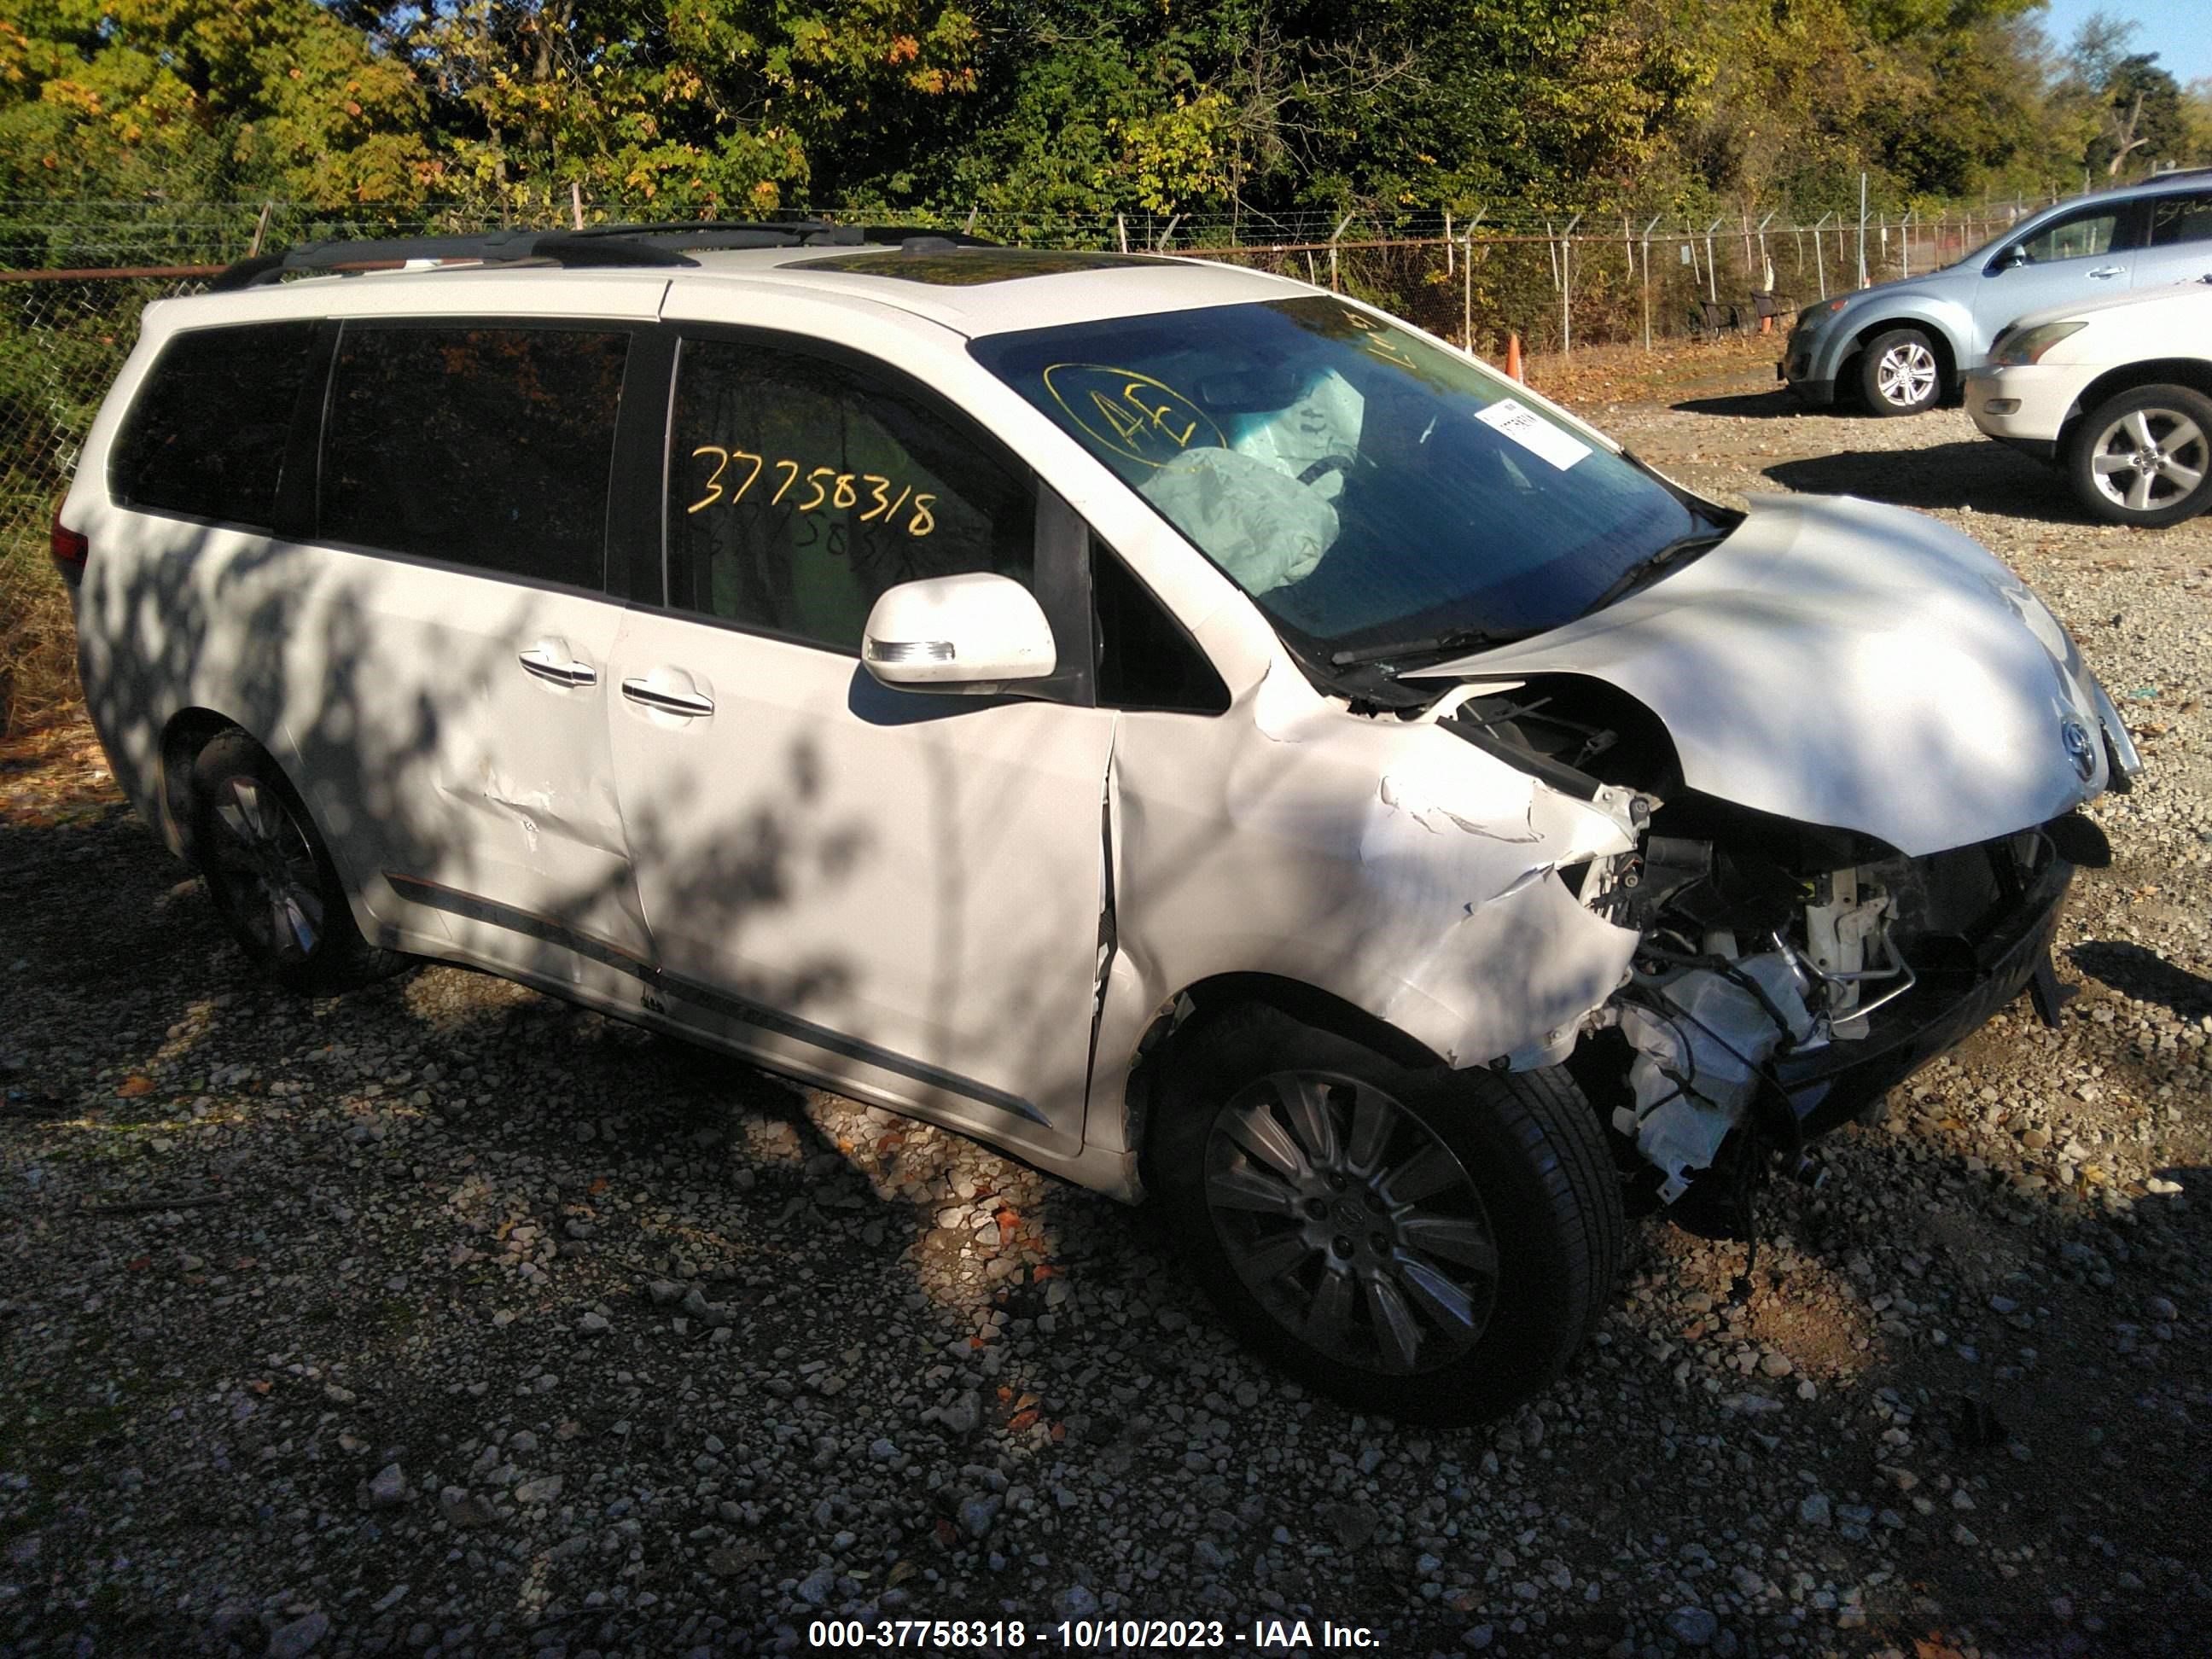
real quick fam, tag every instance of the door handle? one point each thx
(2110, 270)
(668, 703)
(550, 662)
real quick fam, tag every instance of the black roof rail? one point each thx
(666, 244)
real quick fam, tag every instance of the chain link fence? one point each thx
(61, 343)
(74, 277)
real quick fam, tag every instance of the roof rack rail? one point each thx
(666, 244)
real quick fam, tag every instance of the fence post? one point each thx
(576, 203)
(1334, 236)
(1567, 293)
(1820, 258)
(1712, 278)
(1451, 247)
(1647, 282)
(1121, 232)
(1567, 286)
(260, 230)
(1863, 277)
(1161, 246)
(1466, 284)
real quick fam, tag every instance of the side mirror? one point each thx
(971, 633)
(2011, 259)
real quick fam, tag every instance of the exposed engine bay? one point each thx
(1764, 940)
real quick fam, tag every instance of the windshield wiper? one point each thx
(1652, 563)
(1437, 645)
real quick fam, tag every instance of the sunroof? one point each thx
(969, 267)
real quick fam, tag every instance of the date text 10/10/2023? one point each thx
(1089, 1635)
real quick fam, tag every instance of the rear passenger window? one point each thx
(2181, 219)
(801, 488)
(485, 446)
(206, 434)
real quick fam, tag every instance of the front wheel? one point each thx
(270, 877)
(1899, 373)
(2145, 456)
(1430, 1245)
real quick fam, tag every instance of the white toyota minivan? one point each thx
(1182, 726)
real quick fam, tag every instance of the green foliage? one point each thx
(204, 97)
(1246, 108)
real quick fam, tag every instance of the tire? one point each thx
(1460, 1249)
(1899, 373)
(270, 876)
(2172, 424)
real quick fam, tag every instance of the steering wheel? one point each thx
(1320, 469)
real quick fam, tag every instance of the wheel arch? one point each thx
(1939, 341)
(187, 731)
(2194, 373)
(1200, 1003)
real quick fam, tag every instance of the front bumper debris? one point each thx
(1827, 1087)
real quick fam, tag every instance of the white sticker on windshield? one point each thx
(1534, 433)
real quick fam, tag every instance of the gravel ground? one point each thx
(444, 1318)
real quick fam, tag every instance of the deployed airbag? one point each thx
(1257, 522)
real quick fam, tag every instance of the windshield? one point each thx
(1360, 483)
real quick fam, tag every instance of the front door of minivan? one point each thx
(2087, 253)
(458, 753)
(896, 892)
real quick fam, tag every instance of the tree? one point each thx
(205, 99)
(729, 105)
(2142, 113)
(2127, 109)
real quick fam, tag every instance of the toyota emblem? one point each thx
(2081, 748)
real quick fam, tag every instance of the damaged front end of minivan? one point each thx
(1794, 966)
(1787, 974)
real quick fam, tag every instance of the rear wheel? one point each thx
(270, 875)
(1427, 1243)
(1899, 374)
(2145, 456)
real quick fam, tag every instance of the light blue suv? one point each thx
(1900, 346)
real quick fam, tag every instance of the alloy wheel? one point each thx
(2149, 459)
(265, 866)
(1906, 374)
(1356, 1227)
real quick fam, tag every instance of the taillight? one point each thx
(71, 551)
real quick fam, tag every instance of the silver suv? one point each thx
(1900, 347)
(1185, 727)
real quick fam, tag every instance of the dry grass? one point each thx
(38, 642)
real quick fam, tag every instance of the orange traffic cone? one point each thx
(1513, 359)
